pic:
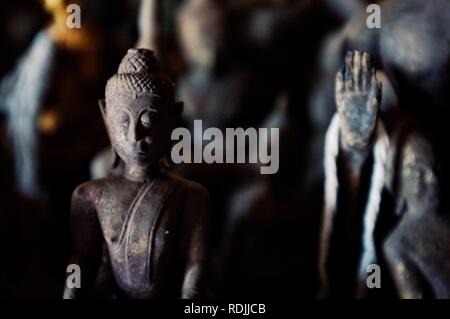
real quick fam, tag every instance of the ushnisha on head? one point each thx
(140, 109)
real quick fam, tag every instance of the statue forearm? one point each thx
(86, 246)
(354, 158)
(191, 283)
(195, 225)
(87, 269)
(358, 95)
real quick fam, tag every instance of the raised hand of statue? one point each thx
(358, 96)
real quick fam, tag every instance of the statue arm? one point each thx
(403, 271)
(358, 96)
(193, 240)
(86, 243)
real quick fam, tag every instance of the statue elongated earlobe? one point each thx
(116, 157)
(102, 105)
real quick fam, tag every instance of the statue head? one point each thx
(201, 31)
(419, 183)
(140, 109)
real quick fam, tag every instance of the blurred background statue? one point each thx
(416, 251)
(364, 186)
(48, 103)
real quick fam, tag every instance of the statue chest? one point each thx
(141, 234)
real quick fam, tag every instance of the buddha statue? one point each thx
(350, 140)
(416, 251)
(49, 102)
(217, 87)
(414, 60)
(222, 92)
(362, 195)
(151, 222)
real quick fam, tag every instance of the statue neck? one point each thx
(141, 173)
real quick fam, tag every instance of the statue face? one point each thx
(418, 181)
(138, 128)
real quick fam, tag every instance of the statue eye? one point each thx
(146, 119)
(124, 121)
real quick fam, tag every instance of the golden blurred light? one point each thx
(47, 123)
(54, 6)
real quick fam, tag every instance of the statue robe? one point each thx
(153, 235)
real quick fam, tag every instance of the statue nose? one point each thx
(142, 127)
(141, 134)
(143, 146)
(138, 132)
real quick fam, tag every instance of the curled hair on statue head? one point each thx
(140, 72)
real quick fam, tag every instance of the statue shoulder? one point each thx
(393, 246)
(417, 143)
(89, 193)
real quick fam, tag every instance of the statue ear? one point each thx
(116, 158)
(102, 105)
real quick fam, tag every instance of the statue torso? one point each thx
(140, 224)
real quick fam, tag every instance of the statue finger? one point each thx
(366, 62)
(357, 71)
(348, 78)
